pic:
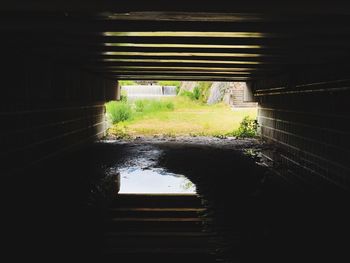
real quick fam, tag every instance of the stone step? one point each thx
(158, 228)
(161, 241)
(160, 234)
(157, 201)
(150, 212)
(154, 224)
(160, 255)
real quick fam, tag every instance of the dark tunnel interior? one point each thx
(61, 62)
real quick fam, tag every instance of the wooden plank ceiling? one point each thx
(132, 43)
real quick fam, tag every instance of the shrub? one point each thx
(123, 96)
(196, 93)
(200, 92)
(204, 87)
(188, 94)
(247, 128)
(118, 111)
(119, 131)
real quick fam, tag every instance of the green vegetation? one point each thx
(120, 132)
(126, 82)
(188, 94)
(196, 93)
(179, 115)
(247, 128)
(118, 111)
(124, 111)
(199, 93)
(204, 87)
(152, 106)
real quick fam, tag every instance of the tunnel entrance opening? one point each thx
(182, 108)
(172, 110)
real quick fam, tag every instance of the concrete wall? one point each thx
(308, 120)
(47, 109)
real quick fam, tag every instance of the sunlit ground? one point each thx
(189, 118)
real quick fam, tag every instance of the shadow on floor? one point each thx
(55, 210)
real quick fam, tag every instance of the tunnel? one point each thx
(61, 62)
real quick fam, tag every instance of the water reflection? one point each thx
(153, 180)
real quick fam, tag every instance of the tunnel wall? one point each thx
(308, 120)
(46, 109)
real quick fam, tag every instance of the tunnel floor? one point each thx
(157, 215)
(254, 215)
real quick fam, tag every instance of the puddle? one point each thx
(154, 180)
(141, 173)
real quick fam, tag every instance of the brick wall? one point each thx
(47, 109)
(308, 121)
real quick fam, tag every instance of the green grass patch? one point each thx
(184, 116)
(153, 106)
(118, 111)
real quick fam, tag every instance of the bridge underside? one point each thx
(60, 63)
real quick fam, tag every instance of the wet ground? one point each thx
(143, 169)
(260, 217)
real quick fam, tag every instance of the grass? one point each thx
(183, 116)
(143, 107)
(118, 111)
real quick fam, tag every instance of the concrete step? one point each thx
(160, 255)
(157, 201)
(159, 251)
(160, 234)
(150, 212)
(158, 228)
(169, 241)
(154, 224)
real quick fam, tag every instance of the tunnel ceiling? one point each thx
(159, 41)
